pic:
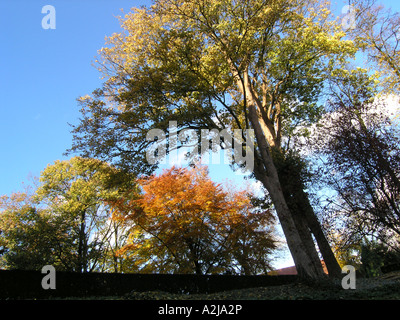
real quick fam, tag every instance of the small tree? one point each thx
(185, 223)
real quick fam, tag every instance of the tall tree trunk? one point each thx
(290, 175)
(305, 234)
(307, 264)
(330, 260)
(82, 245)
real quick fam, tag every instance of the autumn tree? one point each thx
(66, 220)
(185, 223)
(219, 65)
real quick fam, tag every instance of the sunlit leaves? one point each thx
(76, 191)
(378, 33)
(186, 223)
(31, 237)
(185, 60)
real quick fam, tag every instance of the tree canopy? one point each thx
(66, 221)
(185, 223)
(86, 216)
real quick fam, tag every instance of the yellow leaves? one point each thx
(75, 185)
(84, 98)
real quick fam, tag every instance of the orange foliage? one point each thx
(184, 222)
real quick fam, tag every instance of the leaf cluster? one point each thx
(185, 223)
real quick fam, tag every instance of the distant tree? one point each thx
(31, 237)
(77, 191)
(185, 223)
(361, 153)
(66, 221)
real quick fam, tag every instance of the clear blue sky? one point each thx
(42, 72)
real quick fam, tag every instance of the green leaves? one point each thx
(67, 222)
(30, 237)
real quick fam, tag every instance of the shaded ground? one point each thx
(383, 288)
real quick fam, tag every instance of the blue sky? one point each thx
(42, 72)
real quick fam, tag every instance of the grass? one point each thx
(369, 290)
(386, 287)
(380, 288)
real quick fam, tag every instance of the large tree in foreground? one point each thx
(252, 64)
